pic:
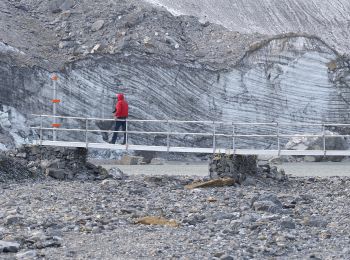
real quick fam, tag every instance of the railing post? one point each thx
(278, 139)
(233, 138)
(41, 130)
(126, 134)
(54, 107)
(168, 136)
(324, 139)
(214, 137)
(86, 132)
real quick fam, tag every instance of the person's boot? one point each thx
(105, 137)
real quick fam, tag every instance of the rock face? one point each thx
(191, 71)
(316, 17)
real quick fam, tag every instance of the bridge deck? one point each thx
(194, 149)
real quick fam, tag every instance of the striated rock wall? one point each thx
(169, 68)
(285, 80)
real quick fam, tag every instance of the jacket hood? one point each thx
(120, 97)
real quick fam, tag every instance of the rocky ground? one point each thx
(263, 218)
(52, 33)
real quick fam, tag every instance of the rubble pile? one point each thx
(11, 169)
(57, 162)
(239, 167)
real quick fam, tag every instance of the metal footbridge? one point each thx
(48, 134)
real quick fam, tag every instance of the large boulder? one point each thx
(236, 167)
(316, 143)
(9, 247)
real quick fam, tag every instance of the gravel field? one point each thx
(301, 218)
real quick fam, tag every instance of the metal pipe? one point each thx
(177, 133)
(86, 132)
(233, 138)
(41, 130)
(126, 133)
(278, 139)
(54, 134)
(202, 122)
(168, 137)
(214, 139)
(324, 139)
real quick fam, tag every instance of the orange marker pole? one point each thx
(54, 78)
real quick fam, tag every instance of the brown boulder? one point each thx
(157, 221)
(212, 183)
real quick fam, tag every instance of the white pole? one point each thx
(54, 106)
(214, 137)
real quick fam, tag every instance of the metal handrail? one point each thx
(214, 134)
(192, 121)
(184, 133)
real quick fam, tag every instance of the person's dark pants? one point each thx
(119, 124)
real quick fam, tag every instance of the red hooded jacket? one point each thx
(122, 107)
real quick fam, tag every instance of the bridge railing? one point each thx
(277, 132)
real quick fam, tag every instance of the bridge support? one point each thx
(233, 166)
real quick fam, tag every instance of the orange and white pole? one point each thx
(55, 101)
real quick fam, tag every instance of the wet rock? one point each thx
(54, 242)
(267, 197)
(310, 158)
(13, 220)
(267, 202)
(21, 155)
(158, 161)
(27, 255)
(287, 223)
(194, 219)
(267, 206)
(66, 44)
(109, 184)
(9, 247)
(58, 174)
(116, 173)
(2, 231)
(131, 160)
(172, 42)
(315, 221)
(96, 26)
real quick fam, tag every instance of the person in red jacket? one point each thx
(121, 114)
